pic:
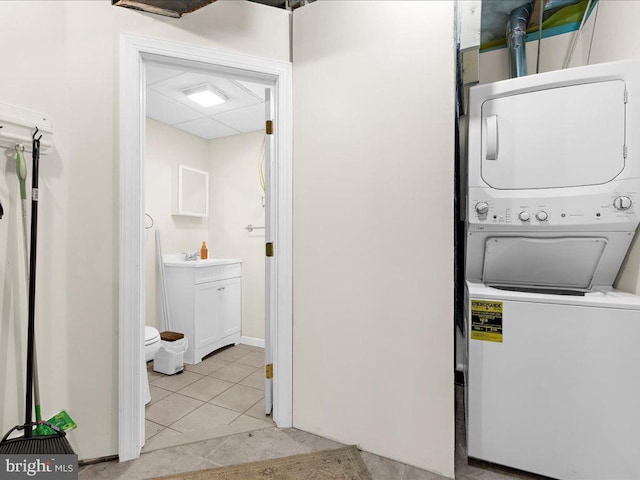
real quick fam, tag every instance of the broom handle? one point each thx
(36, 385)
(32, 289)
(21, 169)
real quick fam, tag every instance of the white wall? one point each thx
(63, 61)
(235, 202)
(617, 37)
(166, 148)
(373, 227)
(25, 85)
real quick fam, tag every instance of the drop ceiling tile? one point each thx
(166, 110)
(256, 88)
(237, 95)
(247, 119)
(206, 128)
(157, 73)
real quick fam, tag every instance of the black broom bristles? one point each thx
(47, 445)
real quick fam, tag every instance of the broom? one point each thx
(62, 419)
(28, 444)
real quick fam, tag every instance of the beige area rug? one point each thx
(340, 464)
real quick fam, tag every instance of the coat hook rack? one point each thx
(17, 126)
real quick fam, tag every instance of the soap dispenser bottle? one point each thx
(204, 252)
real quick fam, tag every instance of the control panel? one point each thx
(618, 207)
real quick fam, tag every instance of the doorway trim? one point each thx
(134, 50)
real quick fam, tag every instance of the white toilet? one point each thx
(151, 343)
(151, 346)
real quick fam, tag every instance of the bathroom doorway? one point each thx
(162, 69)
(206, 148)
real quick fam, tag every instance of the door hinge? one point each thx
(269, 127)
(269, 249)
(626, 96)
(269, 371)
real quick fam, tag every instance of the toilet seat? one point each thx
(151, 342)
(151, 346)
(151, 336)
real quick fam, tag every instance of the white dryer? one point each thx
(552, 206)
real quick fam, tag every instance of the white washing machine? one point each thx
(552, 373)
(557, 392)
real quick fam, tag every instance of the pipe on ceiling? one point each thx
(516, 33)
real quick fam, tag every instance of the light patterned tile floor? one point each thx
(258, 443)
(222, 394)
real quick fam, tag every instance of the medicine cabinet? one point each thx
(193, 192)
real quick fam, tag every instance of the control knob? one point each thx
(622, 202)
(542, 215)
(482, 208)
(524, 216)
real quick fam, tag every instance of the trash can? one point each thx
(170, 358)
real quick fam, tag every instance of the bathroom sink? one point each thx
(178, 260)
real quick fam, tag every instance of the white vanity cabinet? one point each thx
(204, 299)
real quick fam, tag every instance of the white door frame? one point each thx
(133, 51)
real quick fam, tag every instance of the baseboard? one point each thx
(93, 461)
(253, 341)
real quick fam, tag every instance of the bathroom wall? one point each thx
(373, 227)
(166, 148)
(616, 37)
(64, 62)
(235, 202)
(235, 198)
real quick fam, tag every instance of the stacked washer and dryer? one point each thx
(552, 373)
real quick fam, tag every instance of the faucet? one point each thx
(191, 256)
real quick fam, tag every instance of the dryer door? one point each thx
(559, 137)
(569, 262)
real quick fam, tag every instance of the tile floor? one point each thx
(222, 395)
(258, 444)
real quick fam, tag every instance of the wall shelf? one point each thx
(18, 125)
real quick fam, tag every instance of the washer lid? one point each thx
(151, 335)
(602, 298)
(559, 137)
(565, 262)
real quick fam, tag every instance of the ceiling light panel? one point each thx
(205, 95)
(237, 96)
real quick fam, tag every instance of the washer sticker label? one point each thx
(486, 320)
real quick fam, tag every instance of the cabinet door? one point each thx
(232, 306)
(209, 311)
